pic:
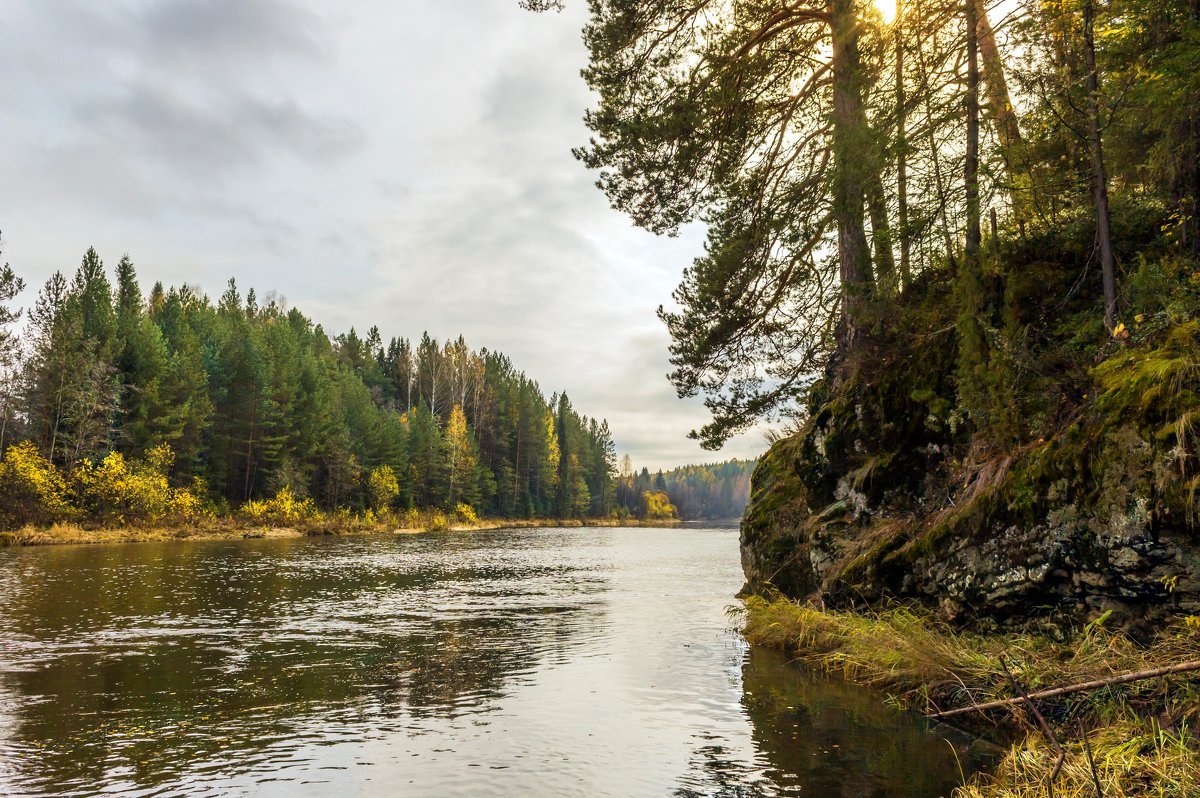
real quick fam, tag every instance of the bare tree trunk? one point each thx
(851, 156)
(1099, 178)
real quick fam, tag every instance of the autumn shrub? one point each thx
(382, 488)
(121, 491)
(32, 489)
(465, 514)
(283, 509)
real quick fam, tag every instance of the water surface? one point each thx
(590, 662)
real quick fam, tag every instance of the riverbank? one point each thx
(1142, 735)
(73, 534)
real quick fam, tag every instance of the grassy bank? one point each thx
(233, 529)
(1141, 734)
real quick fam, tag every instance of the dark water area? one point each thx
(555, 662)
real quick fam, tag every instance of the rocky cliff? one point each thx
(1093, 503)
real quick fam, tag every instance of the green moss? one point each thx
(885, 478)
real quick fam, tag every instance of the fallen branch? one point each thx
(1125, 678)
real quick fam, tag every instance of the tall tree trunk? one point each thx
(881, 235)
(972, 343)
(1004, 116)
(971, 164)
(58, 413)
(1191, 194)
(939, 181)
(517, 466)
(902, 153)
(249, 451)
(851, 151)
(1099, 177)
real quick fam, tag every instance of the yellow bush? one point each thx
(188, 505)
(132, 492)
(466, 513)
(32, 489)
(283, 509)
(437, 522)
(382, 488)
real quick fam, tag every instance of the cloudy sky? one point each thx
(404, 163)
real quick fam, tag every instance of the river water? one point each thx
(554, 662)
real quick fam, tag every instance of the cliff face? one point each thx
(1095, 506)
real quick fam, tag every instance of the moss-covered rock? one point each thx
(1094, 507)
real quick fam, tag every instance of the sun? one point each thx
(887, 9)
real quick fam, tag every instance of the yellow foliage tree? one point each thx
(461, 459)
(383, 488)
(656, 506)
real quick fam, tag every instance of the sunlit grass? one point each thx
(1139, 733)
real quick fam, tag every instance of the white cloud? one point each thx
(405, 164)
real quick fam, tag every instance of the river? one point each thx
(552, 662)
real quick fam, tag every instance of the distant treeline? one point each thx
(253, 398)
(694, 492)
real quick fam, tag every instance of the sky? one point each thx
(403, 163)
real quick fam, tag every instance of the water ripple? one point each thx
(533, 662)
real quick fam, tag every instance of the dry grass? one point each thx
(926, 665)
(65, 534)
(1133, 758)
(228, 529)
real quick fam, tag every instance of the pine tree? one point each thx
(10, 286)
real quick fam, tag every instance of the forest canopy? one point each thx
(837, 159)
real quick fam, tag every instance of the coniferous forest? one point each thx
(245, 401)
(713, 491)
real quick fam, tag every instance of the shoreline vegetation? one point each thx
(170, 415)
(233, 529)
(118, 499)
(1140, 736)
